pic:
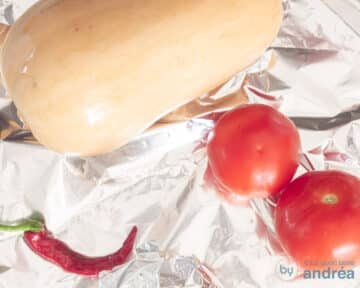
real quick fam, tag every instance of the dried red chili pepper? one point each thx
(45, 245)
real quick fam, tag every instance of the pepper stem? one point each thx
(30, 225)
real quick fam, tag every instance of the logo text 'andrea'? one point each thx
(329, 273)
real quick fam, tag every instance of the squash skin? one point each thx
(87, 76)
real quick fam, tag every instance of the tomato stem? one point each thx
(330, 199)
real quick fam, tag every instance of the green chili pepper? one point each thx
(23, 226)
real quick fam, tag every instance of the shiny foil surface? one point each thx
(188, 236)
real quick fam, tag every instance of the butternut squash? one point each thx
(87, 76)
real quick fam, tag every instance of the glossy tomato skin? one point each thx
(317, 219)
(254, 151)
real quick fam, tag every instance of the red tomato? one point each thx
(254, 151)
(317, 219)
(224, 194)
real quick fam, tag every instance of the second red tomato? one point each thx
(317, 219)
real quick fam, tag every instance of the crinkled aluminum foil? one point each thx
(188, 236)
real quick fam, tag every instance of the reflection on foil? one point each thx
(325, 123)
(188, 235)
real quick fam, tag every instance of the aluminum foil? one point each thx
(188, 236)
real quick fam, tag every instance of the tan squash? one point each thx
(87, 76)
